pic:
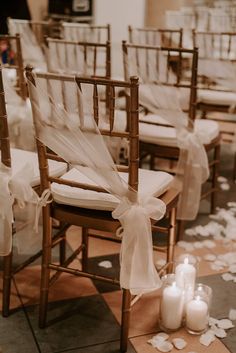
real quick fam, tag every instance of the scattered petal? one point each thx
(232, 314)
(185, 245)
(105, 264)
(190, 232)
(225, 186)
(179, 343)
(212, 321)
(227, 277)
(225, 324)
(160, 263)
(160, 337)
(222, 179)
(209, 257)
(209, 244)
(207, 338)
(198, 244)
(218, 332)
(164, 346)
(232, 268)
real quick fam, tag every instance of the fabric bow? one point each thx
(13, 188)
(137, 271)
(192, 171)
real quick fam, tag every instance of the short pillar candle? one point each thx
(197, 314)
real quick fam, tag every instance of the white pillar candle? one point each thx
(196, 315)
(185, 274)
(171, 309)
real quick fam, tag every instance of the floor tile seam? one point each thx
(26, 316)
(223, 342)
(87, 346)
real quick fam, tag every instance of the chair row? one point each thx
(95, 172)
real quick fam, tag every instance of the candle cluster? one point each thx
(184, 301)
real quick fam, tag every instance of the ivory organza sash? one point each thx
(192, 169)
(80, 143)
(15, 188)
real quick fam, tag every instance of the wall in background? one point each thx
(119, 13)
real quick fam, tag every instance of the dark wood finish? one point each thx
(89, 218)
(99, 33)
(85, 47)
(155, 150)
(150, 36)
(15, 61)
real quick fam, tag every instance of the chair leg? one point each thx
(7, 274)
(234, 168)
(45, 271)
(125, 320)
(180, 230)
(171, 236)
(215, 172)
(62, 247)
(204, 114)
(85, 248)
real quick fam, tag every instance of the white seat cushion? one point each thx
(150, 183)
(162, 135)
(20, 158)
(216, 97)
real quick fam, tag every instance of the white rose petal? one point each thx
(225, 324)
(160, 337)
(210, 244)
(209, 257)
(232, 268)
(179, 343)
(207, 338)
(222, 179)
(190, 232)
(225, 186)
(164, 346)
(218, 332)
(232, 314)
(212, 321)
(227, 277)
(198, 244)
(105, 264)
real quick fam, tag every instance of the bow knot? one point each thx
(14, 187)
(137, 266)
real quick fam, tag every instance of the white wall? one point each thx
(120, 14)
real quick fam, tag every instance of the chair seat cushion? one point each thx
(164, 135)
(20, 158)
(150, 183)
(216, 97)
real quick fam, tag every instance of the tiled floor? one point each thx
(84, 316)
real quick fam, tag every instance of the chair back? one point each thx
(82, 32)
(155, 65)
(156, 36)
(64, 90)
(11, 58)
(73, 57)
(215, 45)
(4, 132)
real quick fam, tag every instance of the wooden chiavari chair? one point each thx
(11, 58)
(84, 213)
(80, 32)
(12, 157)
(163, 144)
(71, 57)
(217, 48)
(155, 36)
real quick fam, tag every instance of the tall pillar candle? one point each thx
(171, 308)
(185, 274)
